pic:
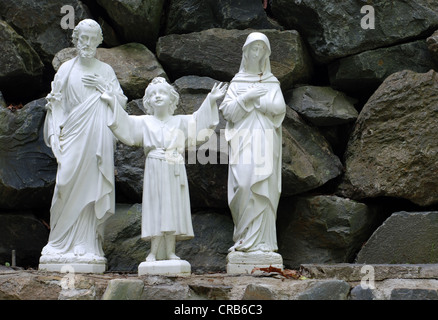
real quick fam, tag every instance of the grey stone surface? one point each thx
(134, 64)
(322, 106)
(392, 149)
(258, 292)
(365, 71)
(187, 16)
(20, 65)
(123, 289)
(135, 20)
(77, 294)
(432, 44)
(39, 23)
(211, 292)
(174, 291)
(123, 247)
(326, 290)
(217, 53)
(359, 293)
(333, 29)
(308, 160)
(356, 272)
(323, 229)
(405, 237)
(414, 294)
(27, 165)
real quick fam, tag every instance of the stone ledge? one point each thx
(328, 282)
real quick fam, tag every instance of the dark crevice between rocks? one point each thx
(164, 19)
(101, 16)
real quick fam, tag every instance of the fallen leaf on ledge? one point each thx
(287, 273)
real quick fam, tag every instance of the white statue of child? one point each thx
(166, 212)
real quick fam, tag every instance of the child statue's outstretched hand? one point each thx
(217, 92)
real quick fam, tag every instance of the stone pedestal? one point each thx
(244, 262)
(69, 262)
(175, 268)
(73, 267)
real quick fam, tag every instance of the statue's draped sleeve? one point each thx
(128, 129)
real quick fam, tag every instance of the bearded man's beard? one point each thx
(86, 51)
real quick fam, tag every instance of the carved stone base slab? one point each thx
(244, 262)
(175, 268)
(73, 267)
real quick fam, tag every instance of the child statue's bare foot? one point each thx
(173, 256)
(151, 258)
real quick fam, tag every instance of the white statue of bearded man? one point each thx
(76, 129)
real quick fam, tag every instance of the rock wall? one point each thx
(321, 282)
(359, 138)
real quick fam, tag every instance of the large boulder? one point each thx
(185, 16)
(135, 20)
(322, 229)
(322, 106)
(308, 159)
(392, 150)
(20, 65)
(39, 23)
(333, 28)
(24, 233)
(206, 252)
(217, 53)
(327, 290)
(405, 237)
(134, 64)
(365, 71)
(27, 166)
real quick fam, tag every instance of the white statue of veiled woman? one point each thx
(254, 108)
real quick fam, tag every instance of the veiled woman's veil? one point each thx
(265, 63)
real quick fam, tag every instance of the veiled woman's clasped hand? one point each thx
(255, 91)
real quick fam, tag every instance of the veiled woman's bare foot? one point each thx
(79, 250)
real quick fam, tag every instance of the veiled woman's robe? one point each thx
(255, 145)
